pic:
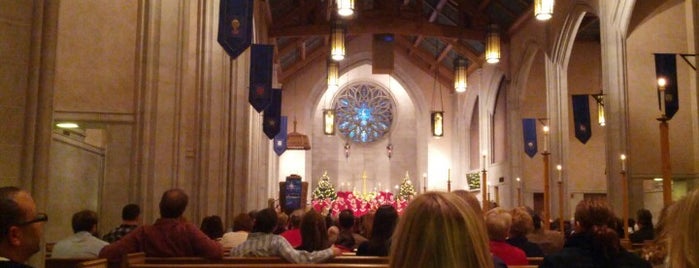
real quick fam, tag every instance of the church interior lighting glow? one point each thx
(492, 45)
(345, 8)
(460, 75)
(329, 122)
(333, 75)
(337, 43)
(543, 9)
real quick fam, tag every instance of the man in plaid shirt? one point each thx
(131, 217)
(262, 242)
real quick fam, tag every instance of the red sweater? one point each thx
(165, 238)
(511, 255)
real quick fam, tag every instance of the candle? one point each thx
(546, 138)
(484, 160)
(519, 182)
(560, 171)
(661, 87)
(449, 174)
(424, 180)
(623, 162)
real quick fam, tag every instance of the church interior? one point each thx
(481, 95)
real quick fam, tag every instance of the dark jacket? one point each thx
(643, 234)
(579, 252)
(529, 248)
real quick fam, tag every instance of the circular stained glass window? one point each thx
(364, 112)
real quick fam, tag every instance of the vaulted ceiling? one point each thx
(430, 33)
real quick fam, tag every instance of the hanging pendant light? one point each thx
(345, 8)
(337, 42)
(460, 75)
(543, 9)
(333, 75)
(437, 123)
(492, 44)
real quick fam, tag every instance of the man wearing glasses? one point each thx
(21, 227)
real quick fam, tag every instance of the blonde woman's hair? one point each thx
(439, 229)
(683, 232)
(498, 222)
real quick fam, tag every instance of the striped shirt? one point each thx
(264, 244)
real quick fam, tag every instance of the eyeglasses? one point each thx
(40, 217)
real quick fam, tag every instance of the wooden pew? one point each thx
(522, 266)
(97, 263)
(140, 258)
(535, 260)
(64, 262)
(258, 265)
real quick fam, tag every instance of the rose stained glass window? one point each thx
(364, 112)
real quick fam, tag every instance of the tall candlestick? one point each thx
(623, 162)
(546, 138)
(484, 160)
(424, 182)
(519, 192)
(560, 172)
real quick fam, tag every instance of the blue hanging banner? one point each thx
(581, 118)
(235, 26)
(272, 116)
(260, 94)
(529, 133)
(666, 67)
(280, 139)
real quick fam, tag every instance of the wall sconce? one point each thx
(329, 121)
(600, 108)
(345, 8)
(337, 41)
(333, 75)
(492, 44)
(437, 123)
(460, 75)
(543, 9)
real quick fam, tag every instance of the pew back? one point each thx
(260, 265)
(64, 262)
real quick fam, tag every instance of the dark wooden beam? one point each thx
(505, 9)
(299, 13)
(416, 44)
(437, 10)
(441, 56)
(398, 26)
(466, 51)
(319, 53)
(520, 21)
(424, 60)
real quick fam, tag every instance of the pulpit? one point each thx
(292, 193)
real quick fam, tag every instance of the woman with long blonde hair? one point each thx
(682, 232)
(440, 230)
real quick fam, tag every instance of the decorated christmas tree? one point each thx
(324, 189)
(406, 190)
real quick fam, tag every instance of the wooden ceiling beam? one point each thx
(437, 10)
(442, 55)
(505, 9)
(520, 21)
(316, 54)
(416, 44)
(429, 61)
(299, 13)
(445, 81)
(302, 48)
(471, 55)
(290, 46)
(397, 26)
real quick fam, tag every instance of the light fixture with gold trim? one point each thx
(437, 123)
(337, 41)
(345, 8)
(329, 121)
(333, 75)
(460, 75)
(543, 9)
(492, 44)
(601, 120)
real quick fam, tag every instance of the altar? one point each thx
(327, 201)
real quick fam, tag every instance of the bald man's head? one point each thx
(173, 203)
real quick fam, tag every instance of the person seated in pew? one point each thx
(242, 226)
(522, 224)
(594, 243)
(212, 226)
(262, 242)
(346, 222)
(170, 236)
(439, 229)
(498, 222)
(681, 232)
(549, 241)
(21, 227)
(293, 233)
(314, 235)
(82, 243)
(472, 201)
(644, 220)
(379, 243)
(130, 220)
